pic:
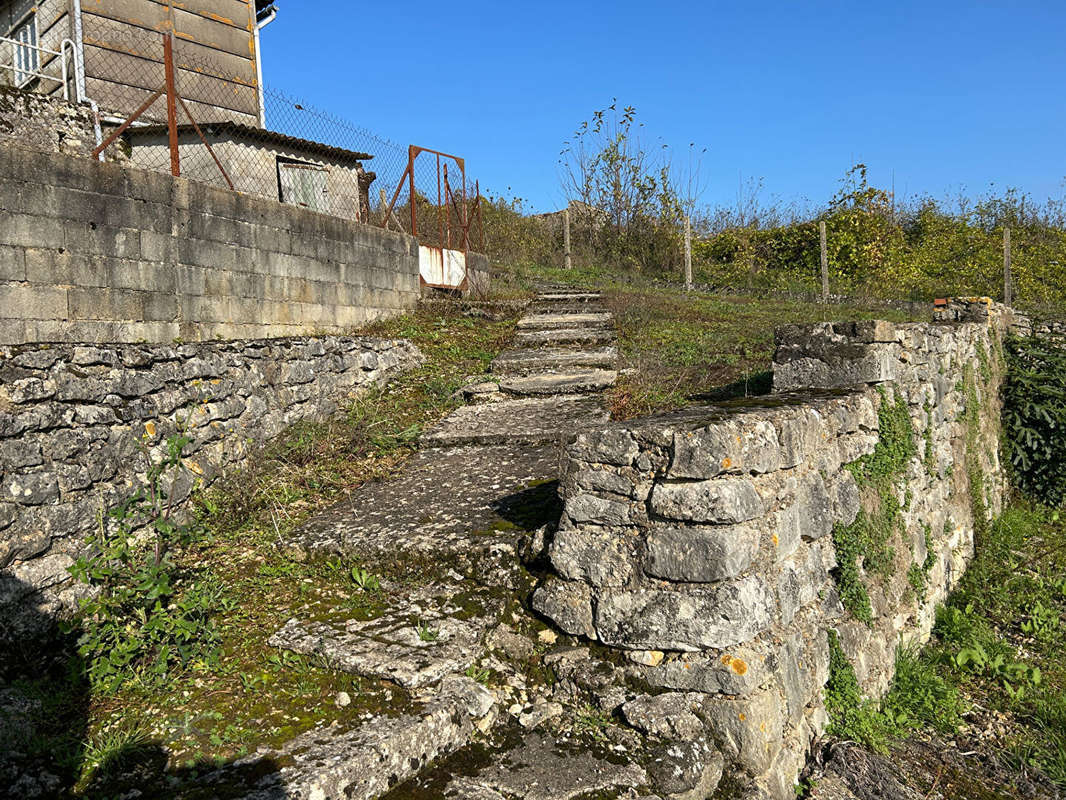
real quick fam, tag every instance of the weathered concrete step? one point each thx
(566, 307)
(549, 321)
(552, 383)
(529, 421)
(412, 647)
(366, 762)
(568, 297)
(549, 359)
(527, 766)
(564, 336)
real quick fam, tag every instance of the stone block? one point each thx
(748, 730)
(568, 604)
(12, 263)
(612, 446)
(738, 671)
(720, 500)
(34, 302)
(723, 616)
(668, 715)
(588, 508)
(729, 446)
(710, 553)
(601, 557)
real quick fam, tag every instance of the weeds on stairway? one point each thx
(147, 617)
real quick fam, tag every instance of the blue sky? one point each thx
(944, 96)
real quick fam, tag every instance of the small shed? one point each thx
(318, 176)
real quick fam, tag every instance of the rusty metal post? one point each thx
(172, 103)
(440, 221)
(412, 154)
(480, 226)
(447, 208)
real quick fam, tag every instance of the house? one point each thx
(118, 42)
(109, 53)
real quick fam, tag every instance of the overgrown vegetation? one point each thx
(169, 671)
(1034, 416)
(992, 675)
(863, 546)
(148, 618)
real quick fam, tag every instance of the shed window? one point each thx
(304, 184)
(26, 56)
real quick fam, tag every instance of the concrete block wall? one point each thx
(701, 543)
(100, 252)
(79, 424)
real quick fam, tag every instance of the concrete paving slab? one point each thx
(548, 320)
(527, 361)
(581, 382)
(536, 421)
(564, 336)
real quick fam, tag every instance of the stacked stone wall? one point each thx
(708, 544)
(79, 425)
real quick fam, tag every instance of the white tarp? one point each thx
(442, 267)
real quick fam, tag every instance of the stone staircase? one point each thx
(469, 507)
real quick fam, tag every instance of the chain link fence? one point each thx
(168, 107)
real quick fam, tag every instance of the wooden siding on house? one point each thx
(53, 26)
(214, 54)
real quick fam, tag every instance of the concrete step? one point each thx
(554, 383)
(539, 338)
(366, 762)
(568, 297)
(553, 359)
(540, 420)
(549, 321)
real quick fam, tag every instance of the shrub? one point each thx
(146, 617)
(1034, 416)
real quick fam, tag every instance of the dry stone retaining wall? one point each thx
(704, 543)
(78, 424)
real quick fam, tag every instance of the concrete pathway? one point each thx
(467, 508)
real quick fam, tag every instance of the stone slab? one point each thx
(410, 646)
(568, 297)
(363, 763)
(564, 336)
(534, 767)
(443, 502)
(525, 421)
(550, 320)
(552, 359)
(594, 380)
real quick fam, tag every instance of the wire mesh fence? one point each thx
(179, 110)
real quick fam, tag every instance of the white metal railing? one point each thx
(28, 60)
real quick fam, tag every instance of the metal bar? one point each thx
(448, 206)
(480, 226)
(172, 106)
(395, 196)
(440, 222)
(122, 128)
(412, 154)
(203, 139)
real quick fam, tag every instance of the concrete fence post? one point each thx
(567, 261)
(825, 261)
(688, 254)
(1008, 293)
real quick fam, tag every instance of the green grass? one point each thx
(994, 662)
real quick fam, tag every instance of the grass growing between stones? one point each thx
(201, 714)
(989, 690)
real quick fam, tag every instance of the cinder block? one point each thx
(102, 240)
(23, 301)
(12, 264)
(66, 268)
(12, 331)
(141, 275)
(27, 230)
(157, 246)
(107, 304)
(160, 307)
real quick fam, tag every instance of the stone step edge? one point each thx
(365, 763)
